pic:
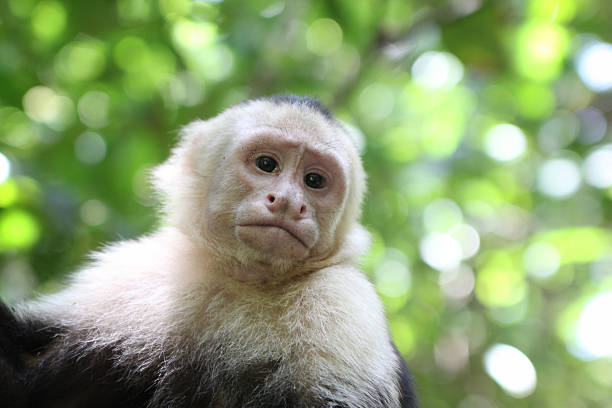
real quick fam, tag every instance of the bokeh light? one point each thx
(185, 89)
(81, 60)
(505, 142)
(540, 49)
(193, 36)
(593, 125)
(593, 329)
(134, 10)
(442, 215)
(9, 192)
(541, 260)
(468, 238)
(5, 168)
(93, 212)
(435, 70)
(324, 37)
(93, 109)
(593, 63)
(440, 251)
(558, 178)
(46, 106)
(500, 282)
(19, 230)
(597, 167)
(511, 369)
(451, 352)
(48, 20)
(558, 132)
(376, 101)
(393, 278)
(90, 148)
(457, 284)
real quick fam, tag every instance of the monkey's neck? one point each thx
(240, 266)
(261, 273)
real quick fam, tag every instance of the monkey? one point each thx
(249, 294)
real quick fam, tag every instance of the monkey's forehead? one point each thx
(293, 120)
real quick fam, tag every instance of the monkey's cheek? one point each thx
(272, 242)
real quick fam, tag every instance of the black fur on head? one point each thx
(310, 102)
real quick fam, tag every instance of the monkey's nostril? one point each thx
(302, 209)
(271, 198)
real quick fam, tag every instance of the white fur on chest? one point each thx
(326, 327)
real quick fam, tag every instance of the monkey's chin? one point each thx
(271, 242)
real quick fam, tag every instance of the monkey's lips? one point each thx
(275, 238)
(294, 234)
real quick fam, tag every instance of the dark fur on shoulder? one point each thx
(12, 389)
(37, 370)
(408, 396)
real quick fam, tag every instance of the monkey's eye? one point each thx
(314, 180)
(266, 164)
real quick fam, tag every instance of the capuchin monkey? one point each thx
(248, 296)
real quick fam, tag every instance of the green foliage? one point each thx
(485, 133)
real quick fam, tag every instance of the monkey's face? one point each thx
(278, 194)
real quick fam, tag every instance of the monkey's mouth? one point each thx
(281, 227)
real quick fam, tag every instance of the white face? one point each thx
(277, 195)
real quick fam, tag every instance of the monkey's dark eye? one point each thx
(266, 164)
(314, 180)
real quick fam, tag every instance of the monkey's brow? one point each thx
(323, 151)
(271, 138)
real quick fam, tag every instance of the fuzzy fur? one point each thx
(154, 309)
(168, 317)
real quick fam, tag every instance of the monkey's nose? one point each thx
(282, 203)
(276, 202)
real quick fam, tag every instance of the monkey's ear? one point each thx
(180, 178)
(167, 175)
(357, 242)
(357, 184)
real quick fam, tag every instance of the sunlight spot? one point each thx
(558, 132)
(90, 148)
(597, 167)
(324, 37)
(436, 70)
(93, 212)
(93, 109)
(192, 35)
(593, 330)
(505, 142)
(273, 10)
(5, 168)
(442, 215)
(452, 352)
(541, 260)
(468, 238)
(19, 230)
(511, 369)
(376, 101)
(457, 284)
(392, 278)
(440, 251)
(593, 125)
(558, 178)
(593, 64)
(46, 106)
(48, 20)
